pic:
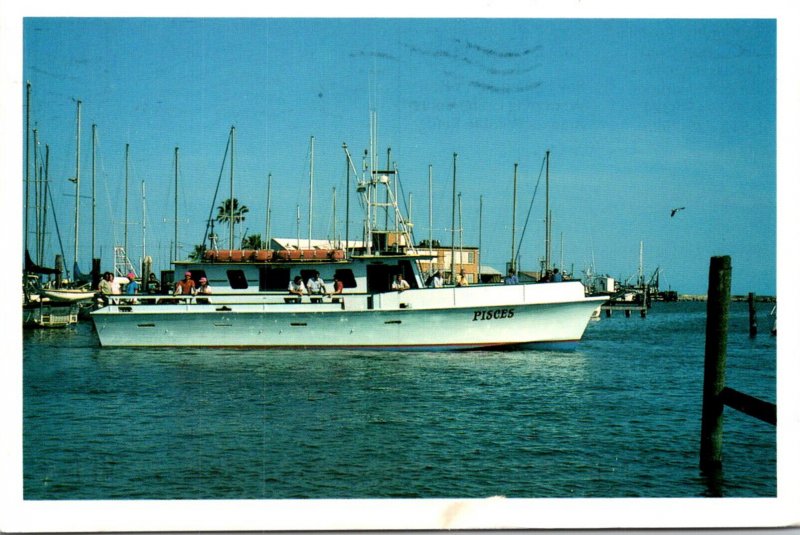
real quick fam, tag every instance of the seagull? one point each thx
(676, 210)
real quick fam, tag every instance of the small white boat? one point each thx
(68, 295)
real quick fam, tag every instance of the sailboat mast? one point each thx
(144, 226)
(45, 191)
(334, 243)
(514, 217)
(460, 234)
(94, 183)
(125, 218)
(36, 177)
(430, 216)
(480, 236)
(175, 239)
(453, 226)
(231, 207)
(27, 157)
(347, 201)
(77, 183)
(267, 237)
(547, 214)
(311, 193)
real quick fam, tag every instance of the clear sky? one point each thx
(640, 116)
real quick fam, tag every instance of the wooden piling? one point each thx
(95, 273)
(60, 267)
(751, 302)
(719, 296)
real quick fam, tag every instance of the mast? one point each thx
(453, 226)
(94, 183)
(460, 235)
(311, 192)
(514, 218)
(334, 218)
(480, 236)
(45, 191)
(347, 201)
(27, 157)
(36, 178)
(298, 227)
(125, 218)
(232, 215)
(175, 239)
(267, 237)
(144, 226)
(430, 217)
(77, 183)
(547, 214)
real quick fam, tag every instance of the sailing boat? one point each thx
(79, 292)
(37, 309)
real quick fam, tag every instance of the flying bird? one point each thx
(676, 210)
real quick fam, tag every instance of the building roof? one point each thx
(489, 270)
(305, 243)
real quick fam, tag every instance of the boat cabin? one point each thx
(244, 272)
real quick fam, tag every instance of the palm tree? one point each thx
(253, 241)
(229, 210)
(197, 254)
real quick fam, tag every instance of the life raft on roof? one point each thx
(267, 255)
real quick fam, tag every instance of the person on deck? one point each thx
(315, 285)
(461, 280)
(512, 277)
(132, 287)
(556, 277)
(296, 287)
(203, 289)
(436, 281)
(399, 283)
(152, 286)
(338, 285)
(186, 286)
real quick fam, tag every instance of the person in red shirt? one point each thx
(186, 286)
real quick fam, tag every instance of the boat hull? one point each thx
(400, 325)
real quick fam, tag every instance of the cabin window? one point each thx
(347, 277)
(273, 279)
(237, 279)
(306, 274)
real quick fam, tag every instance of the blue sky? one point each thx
(639, 115)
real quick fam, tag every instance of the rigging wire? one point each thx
(530, 207)
(210, 220)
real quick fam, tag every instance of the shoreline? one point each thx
(734, 298)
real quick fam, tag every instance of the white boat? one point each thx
(368, 314)
(68, 295)
(251, 306)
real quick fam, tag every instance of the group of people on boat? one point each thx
(436, 281)
(314, 286)
(187, 286)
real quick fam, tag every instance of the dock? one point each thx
(623, 306)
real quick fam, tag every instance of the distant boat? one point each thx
(774, 314)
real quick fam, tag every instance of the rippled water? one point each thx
(619, 417)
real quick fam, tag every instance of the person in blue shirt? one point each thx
(512, 277)
(557, 277)
(132, 286)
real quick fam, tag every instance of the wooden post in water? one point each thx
(95, 273)
(719, 296)
(751, 303)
